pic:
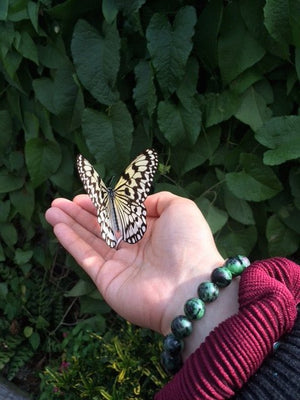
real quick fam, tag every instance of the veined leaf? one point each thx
(237, 50)
(170, 46)
(144, 93)
(238, 241)
(256, 182)
(253, 109)
(109, 135)
(281, 135)
(282, 241)
(97, 60)
(215, 217)
(178, 122)
(42, 159)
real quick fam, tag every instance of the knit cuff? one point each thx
(269, 293)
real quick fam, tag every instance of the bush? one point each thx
(212, 85)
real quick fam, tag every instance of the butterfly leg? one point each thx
(118, 242)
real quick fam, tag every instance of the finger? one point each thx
(85, 202)
(80, 221)
(158, 202)
(75, 211)
(85, 255)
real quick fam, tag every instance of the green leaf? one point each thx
(33, 12)
(22, 256)
(219, 107)
(253, 109)
(144, 93)
(18, 10)
(294, 19)
(239, 241)
(277, 21)
(27, 47)
(53, 55)
(27, 331)
(170, 46)
(97, 60)
(294, 181)
(81, 288)
(109, 135)
(109, 10)
(215, 217)
(59, 96)
(3, 290)
(175, 189)
(207, 33)
(186, 158)
(4, 210)
(281, 240)
(188, 86)
(281, 135)
(237, 50)
(3, 9)
(8, 233)
(238, 209)
(10, 182)
(178, 122)
(42, 159)
(35, 340)
(23, 201)
(297, 62)
(252, 12)
(256, 182)
(5, 130)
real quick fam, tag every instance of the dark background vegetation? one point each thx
(213, 86)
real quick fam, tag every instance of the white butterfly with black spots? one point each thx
(121, 212)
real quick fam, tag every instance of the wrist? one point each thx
(195, 308)
(186, 289)
(225, 306)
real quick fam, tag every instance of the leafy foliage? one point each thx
(130, 356)
(212, 85)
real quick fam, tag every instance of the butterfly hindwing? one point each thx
(98, 193)
(121, 210)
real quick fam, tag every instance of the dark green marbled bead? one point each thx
(171, 364)
(172, 345)
(221, 276)
(181, 326)
(194, 308)
(208, 291)
(237, 265)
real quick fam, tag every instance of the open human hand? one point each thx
(148, 282)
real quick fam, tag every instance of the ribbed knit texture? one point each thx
(233, 352)
(278, 378)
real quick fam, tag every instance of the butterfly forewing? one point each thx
(135, 182)
(121, 210)
(98, 193)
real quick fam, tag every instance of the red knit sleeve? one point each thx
(268, 295)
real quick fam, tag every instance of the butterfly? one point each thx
(120, 210)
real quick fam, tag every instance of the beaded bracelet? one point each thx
(194, 309)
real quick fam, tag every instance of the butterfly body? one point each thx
(120, 210)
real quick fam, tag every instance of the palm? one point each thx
(139, 280)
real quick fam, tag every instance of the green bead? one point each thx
(221, 276)
(172, 345)
(208, 291)
(237, 265)
(170, 363)
(181, 326)
(194, 308)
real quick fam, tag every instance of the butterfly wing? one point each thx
(99, 194)
(130, 193)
